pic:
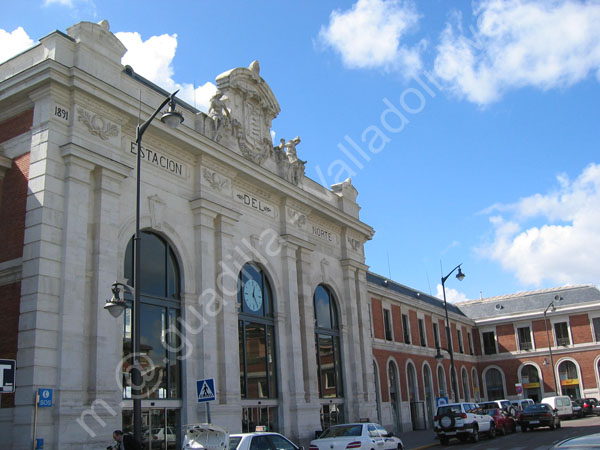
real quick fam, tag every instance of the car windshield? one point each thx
(234, 442)
(536, 408)
(492, 412)
(341, 430)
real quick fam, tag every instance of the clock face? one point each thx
(253, 295)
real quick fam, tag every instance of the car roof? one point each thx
(255, 433)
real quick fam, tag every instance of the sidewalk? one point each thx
(420, 439)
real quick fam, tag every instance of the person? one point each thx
(125, 442)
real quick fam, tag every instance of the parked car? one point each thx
(577, 409)
(587, 405)
(463, 421)
(357, 436)
(591, 441)
(506, 405)
(160, 438)
(520, 405)
(562, 404)
(205, 436)
(261, 440)
(503, 421)
(539, 415)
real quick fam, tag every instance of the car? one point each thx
(539, 415)
(590, 441)
(560, 403)
(587, 405)
(463, 421)
(261, 440)
(356, 436)
(506, 405)
(205, 436)
(577, 409)
(503, 421)
(163, 438)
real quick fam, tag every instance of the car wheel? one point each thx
(444, 440)
(492, 432)
(475, 435)
(400, 447)
(447, 422)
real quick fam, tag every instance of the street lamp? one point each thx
(116, 305)
(557, 298)
(460, 276)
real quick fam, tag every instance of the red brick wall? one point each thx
(580, 328)
(539, 333)
(477, 342)
(506, 338)
(10, 296)
(12, 209)
(442, 330)
(454, 337)
(16, 125)
(377, 312)
(397, 320)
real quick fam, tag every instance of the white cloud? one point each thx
(452, 295)
(153, 59)
(518, 43)
(563, 247)
(13, 43)
(68, 3)
(369, 35)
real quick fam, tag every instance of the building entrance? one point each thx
(159, 428)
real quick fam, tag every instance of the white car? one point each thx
(463, 421)
(359, 436)
(261, 441)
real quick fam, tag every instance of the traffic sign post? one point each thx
(45, 398)
(7, 376)
(441, 401)
(205, 390)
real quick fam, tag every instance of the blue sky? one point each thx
(477, 124)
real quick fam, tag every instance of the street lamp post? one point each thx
(551, 306)
(460, 276)
(115, 306)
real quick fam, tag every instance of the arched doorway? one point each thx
(441, 376)
(327, 337)
(569, 379)
(475, 381)
(416, 411)
(377, 391)
(394, 390)
(494, 387)
(530, 378)
(160, 344)
(465, 384)
(429, 397)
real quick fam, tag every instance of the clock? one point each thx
(253, 295)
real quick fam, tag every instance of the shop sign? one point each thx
(570, 382)
(531, 385)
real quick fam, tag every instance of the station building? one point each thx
(252, 274)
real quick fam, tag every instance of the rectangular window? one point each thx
(436, 335)
(470, 339)
(524, 334)
(460, 342)
(561, 330)
(405, 329)
(387, 324)
(489, 343)
(422, 333)
(596, 322)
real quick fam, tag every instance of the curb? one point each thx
(424, 446)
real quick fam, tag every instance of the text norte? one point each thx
(159, 160)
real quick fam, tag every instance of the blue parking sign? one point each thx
(45, 398)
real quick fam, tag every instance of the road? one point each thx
(538, 439)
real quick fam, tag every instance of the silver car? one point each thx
(357, 436)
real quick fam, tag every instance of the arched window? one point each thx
(493, 384)
(377, 391)
(411, 379)
(159, 310)
(327, 339)
(258, 379)
(428, 389)
(465, 385)
(441, 376)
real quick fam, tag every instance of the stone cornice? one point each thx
(10, 271)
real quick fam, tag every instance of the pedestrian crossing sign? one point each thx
(206, 390)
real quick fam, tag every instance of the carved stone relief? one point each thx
(216, 181)
(97, 125)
